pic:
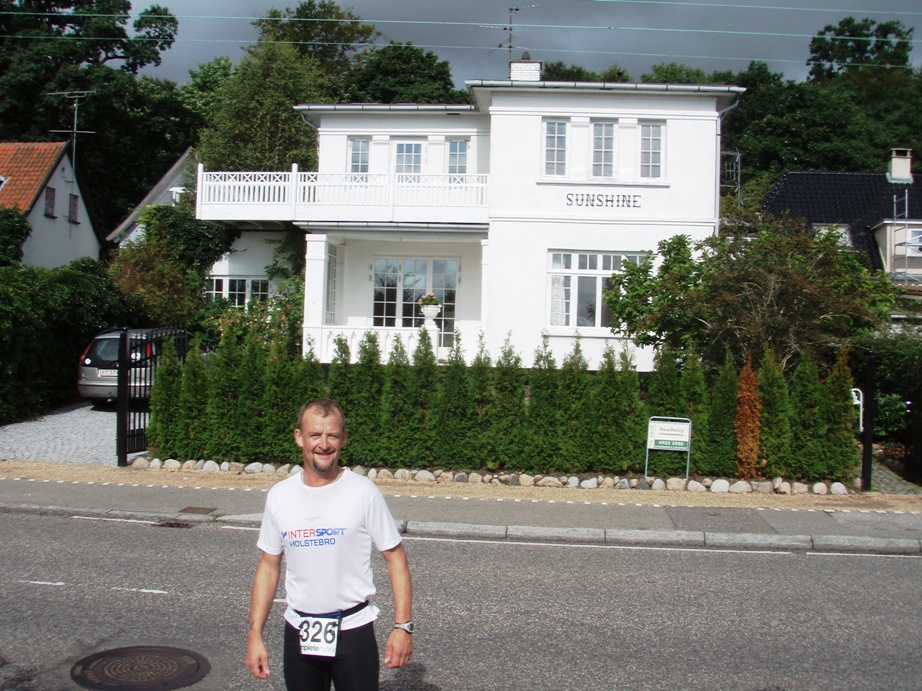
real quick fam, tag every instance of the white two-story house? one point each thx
(513, 211)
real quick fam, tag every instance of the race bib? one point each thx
(318, 635)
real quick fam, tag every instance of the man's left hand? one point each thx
(399, 648)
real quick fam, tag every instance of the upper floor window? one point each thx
(49, 202)
(457, 156)
(576, 284)
(651, 150)
(408, 161)
(555, 147)
(603, 149)
(358, 155)
(73, 209)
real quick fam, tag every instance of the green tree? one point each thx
(165, 427)
(365, 414)
(693, 385)
(285, 390)
(200, 93)
(674, 73)
(14, 231)
(323, 31)
(403, 73)
(543, 417)
(193, 405)
(809, 421)
(664, 393)
(43, 40)
(720, 444)
(255, 126)
(456, 413)
(618, 436)
(860, 43)
(339, 379)
(775, 426)
(783, 285)
(559, 71)
(423, 394)
(251, 384)
(841, 418)
(747, 422)
(225, 429)
(577, 420)
(483, 400)
(509, 429)
(399, 418)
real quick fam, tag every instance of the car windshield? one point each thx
(103, 350)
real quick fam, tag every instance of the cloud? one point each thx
(473, 35)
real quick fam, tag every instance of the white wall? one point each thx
(56, 241)
(249, 255)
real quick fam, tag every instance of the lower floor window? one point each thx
(238, 291)
(400, 282)
(577, 281)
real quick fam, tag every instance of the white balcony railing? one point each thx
(304, 196)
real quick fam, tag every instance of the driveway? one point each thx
(80, 433)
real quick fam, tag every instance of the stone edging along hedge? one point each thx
(588, 482)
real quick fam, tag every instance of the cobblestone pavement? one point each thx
(83, 433)
(79, 433)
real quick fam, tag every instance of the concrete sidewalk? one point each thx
(624, 524)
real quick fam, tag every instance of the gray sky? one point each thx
(472, 34)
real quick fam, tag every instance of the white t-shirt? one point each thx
(327, 534)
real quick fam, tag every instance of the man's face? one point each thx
(321, 440)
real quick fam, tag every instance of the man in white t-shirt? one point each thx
(325, 520)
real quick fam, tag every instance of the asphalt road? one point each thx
(491, 615)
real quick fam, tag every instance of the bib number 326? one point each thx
(318, 635)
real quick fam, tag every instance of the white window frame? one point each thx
(555, 133)
(457, 159)
(412, 278)
(571, 275)
(329, 302)
(359, 158)
(600, 167)
(652, 156)
(245, 289)
(408, 160)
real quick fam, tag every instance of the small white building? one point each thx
(37, 179)
(513, 211)
(240, 275)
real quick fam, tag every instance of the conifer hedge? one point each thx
(500, 416)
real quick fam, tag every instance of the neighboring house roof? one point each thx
(169, 180)
(26, 168)
(857, 200)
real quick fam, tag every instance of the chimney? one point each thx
(900, 170)
(525, 70)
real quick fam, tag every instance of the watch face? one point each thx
(408, 627)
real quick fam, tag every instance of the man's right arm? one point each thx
(265, 585)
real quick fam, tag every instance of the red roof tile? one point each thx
(26, 167)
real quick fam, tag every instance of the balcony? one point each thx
(341, 197)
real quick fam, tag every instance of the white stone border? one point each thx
(714, 485)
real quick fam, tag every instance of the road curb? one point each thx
(716, 541)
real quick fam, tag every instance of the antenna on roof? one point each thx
(77, 97)
(508, 44)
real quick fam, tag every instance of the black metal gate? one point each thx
(138, 353)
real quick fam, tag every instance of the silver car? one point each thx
(97, 371)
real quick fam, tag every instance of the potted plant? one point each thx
(430, 306)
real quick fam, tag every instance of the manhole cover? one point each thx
(140, 668)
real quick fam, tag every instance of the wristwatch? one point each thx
(406, 626)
